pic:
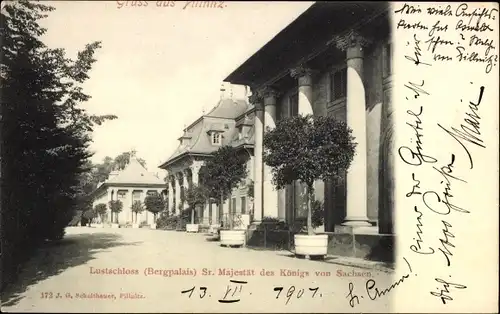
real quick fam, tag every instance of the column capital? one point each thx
(352, 39)
(268, 92)
(179, 175)
(257, 100)
(301, 71)
(195, 167)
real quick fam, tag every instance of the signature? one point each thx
(430, 196)
(409, 156)
(470, 132)
(417, 52)
(372, 291)
(444, 292)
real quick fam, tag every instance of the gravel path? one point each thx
(152, 267)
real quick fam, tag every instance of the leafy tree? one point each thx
(154, 204)
(196, 195)
(308, 148)
(101, 209)
(90, 214)
(137, 208)
(45, 133)
(122, 160)
(250, 188)
(223, 172)
(116, 207)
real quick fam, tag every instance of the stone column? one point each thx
(356, 201)
(195, 169)
(185, 183)
(145, 214)
(206, 212)
(128, 214)
(256, 99)
(386, 162)
(171, 194)
(178, 179)
(108, 210)
(270, 193)
(303, 75)
(305, 92)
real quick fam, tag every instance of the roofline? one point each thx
(180, 156)
(106, 185)
(195, 122)
(304, 59)
(245, 113)
(151, 185)
(264, 47)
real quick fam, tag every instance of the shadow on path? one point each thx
(55, 257)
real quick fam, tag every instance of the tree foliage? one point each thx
(154, 204)
(101, 209)
(137, 207)
(306, 149)
(223, 172)
(90, 214)
(196, 195)
(116, 206)
(250, 188)
(45, 133)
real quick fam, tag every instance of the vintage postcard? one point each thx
(249, 157)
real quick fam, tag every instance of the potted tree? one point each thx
(195, 196)
(116, 207)
(137, 208)
(306, 149)
(154, 204)
(220, 175)
(101, 209)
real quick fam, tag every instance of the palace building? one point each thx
(230, 122)
(334, 59)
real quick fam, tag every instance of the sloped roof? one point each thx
(134, 173)
(229, 108)
(200, 142)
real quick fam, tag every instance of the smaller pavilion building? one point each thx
(129, 185)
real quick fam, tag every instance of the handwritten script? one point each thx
(467, 29)
(445, 107)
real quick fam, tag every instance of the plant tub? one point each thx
(311, 245)
(192, 228)
(232, 237)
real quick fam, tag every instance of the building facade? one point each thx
(129, 185)
(335, 60)
(230, 122)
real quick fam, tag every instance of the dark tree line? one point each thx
(45, 135)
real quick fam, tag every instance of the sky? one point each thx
(160, 67)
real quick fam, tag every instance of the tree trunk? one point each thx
(154, 218)
(221, 210)
(309, 193)
(192, 214)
